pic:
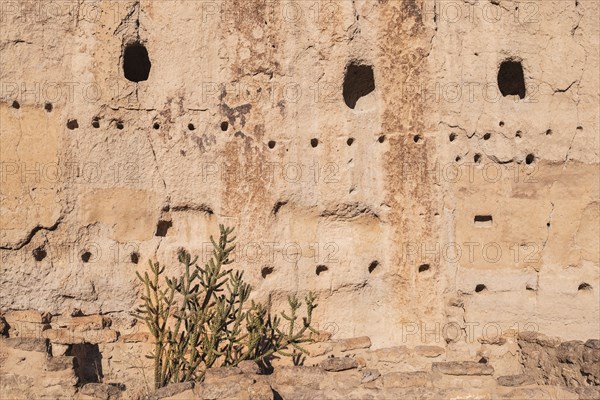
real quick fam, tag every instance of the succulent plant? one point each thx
(202, 318)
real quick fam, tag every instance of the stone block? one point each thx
(26, 344)
(287, 392)
(170, 390)
(392, 354)
(538, 338)
(514, 380)
(260, 391)
(429, 351)
(249, 367)
(406, 379)
(136, 337)
(362, 342)
(462, 368)
(369, 375)
(570, 352)
(334, 364)
(82, 323)
(309, 377)
(59, 363)
(101, 391)
(27, 316)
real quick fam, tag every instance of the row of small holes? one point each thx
(314, 142)
(73, 124)
(267, 270)
(40, 253)
(584, 286)
(322, 268)
(529, 159)
(47, 106)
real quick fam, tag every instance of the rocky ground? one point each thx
(47, 361)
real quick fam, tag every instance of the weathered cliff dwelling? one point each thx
(429, 168)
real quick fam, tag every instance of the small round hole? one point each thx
(48, 107)
(477, 158)
(85, 257)
(549, 132)
(271, 144)
(458, 158)
(120, 125)
(452, 137)
(423, 267)
(381, 139)
(134, 257)
(483, 360)
(191, 127)
(224, 126)
(39, 254)
(519, 134)
(314, 142)
(350, 141)
(266, 271)
(487, 136)
(417, 138)
(96, 123)
(374, 264)
(72, 124)
(16, 105)
(480, 288)
(156, 125)
(320, 269)
(529, 159)
(501, 124)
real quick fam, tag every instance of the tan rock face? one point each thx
(429, 169)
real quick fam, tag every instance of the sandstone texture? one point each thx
(429, 168)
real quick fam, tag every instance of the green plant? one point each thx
(202, 318)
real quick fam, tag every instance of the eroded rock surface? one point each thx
(429, 168)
